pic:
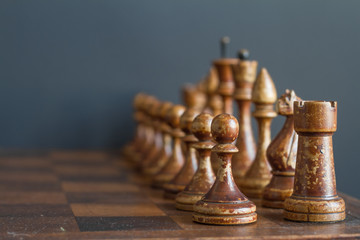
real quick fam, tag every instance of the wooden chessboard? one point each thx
(95, 195)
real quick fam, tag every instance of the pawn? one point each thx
(204, 177)
(315, 197)
(159, 160)
(281, 155)
(185, 175)
(176, 160)
(224, 204)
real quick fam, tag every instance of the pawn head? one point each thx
(187, 118)
(173, 115)
(201, 127)
(225, 128)
(163, 109)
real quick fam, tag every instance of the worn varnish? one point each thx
(224, 204)
(281, 155)
(315, 197)
(204, 177)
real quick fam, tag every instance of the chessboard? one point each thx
(97, 195)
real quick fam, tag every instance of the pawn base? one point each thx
(253, 187)
(224, 213)
(279, 189)
(225, 220)
(171, 190)
(184, 206)
(314, 209)
(161, 180)
(169, 195)
(272, 203)
(185, 200)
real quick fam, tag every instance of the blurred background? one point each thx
(69, 69)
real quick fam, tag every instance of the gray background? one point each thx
(70, 68)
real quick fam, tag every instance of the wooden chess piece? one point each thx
(244, 75)
(214, 105)
(156, 159)
(128, 150)
(193, 98)
(214, 102)
(315, 198)
(176, 161)
(226, 84)
(281, 155)
(149, 133)
(204, 177)
(156, 144)
(259, 175)
(186, 173)
(224, 204)
(166, 151)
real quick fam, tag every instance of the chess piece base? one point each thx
(184, 206)
(272, 203)
(169, 195)
(314, 209)
(171, 190)
(279, 188)
(252, 187)
(224, 213)
(161, 179)
(186, 200)
(225, 220)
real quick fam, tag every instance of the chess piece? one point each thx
(193, 98)
(185, 175)
(281, 155)
(204, 177)
(244, 75)
(226, 84)
(156, 144)
(315, 198)
(131, 147)
(159, 160)
(259, 175)
(149, 133)
(224, 204)
(214, 103)
(145, 134)
(176, 161)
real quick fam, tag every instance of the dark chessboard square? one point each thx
(126, 223)
(35, 210)
(32, 226)
(108, 197)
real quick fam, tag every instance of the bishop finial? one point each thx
(264, 91)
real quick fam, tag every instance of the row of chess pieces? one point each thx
(179, 148)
